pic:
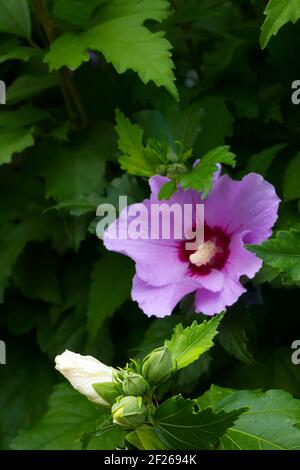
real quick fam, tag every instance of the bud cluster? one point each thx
(134, 405)
(128, 392)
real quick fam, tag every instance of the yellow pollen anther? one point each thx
(204, 254)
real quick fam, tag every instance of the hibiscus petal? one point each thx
(160, 301)
(241, 262)
(249, 205)
(156, 183)
(157, 261)
(213, 281)
(210, 303)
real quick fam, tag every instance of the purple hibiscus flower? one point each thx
(235, 213)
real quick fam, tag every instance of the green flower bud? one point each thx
(157, 367)
(129, 412)
(177, 169)
(135, 385)
(161, 169)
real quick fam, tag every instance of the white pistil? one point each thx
(204, 254)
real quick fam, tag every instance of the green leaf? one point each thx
(69, 50)
(69, 415)
(81, 164)
(111, 284)
(269, 423)
(273, 368)
(189, 378)
(179, 426)
(278, 13)
(65, 325)
(176, 125)
(107, 437)
(61, 132)
(21, 117)
(28, 191)
(16, 131)
(130, 143)
(124, 185)
(75, 227)
(212, 135)
(74, 13)
(35, 279)
(13, 243)
(266, 274)
(291, 187)
(144, 438)
(232, 335)
(201, 177)
(221, 57)
(27, 380)
(29, 86)
(134, 159)
(121, 29)
(17, 53)
(167, 190)
(14, 141)
(156, 334)
(76, 283)
(20, 315)
(141, 10)
(282, 252)
(261, 162)
(188, 344)
(15, 17)
(289, 216)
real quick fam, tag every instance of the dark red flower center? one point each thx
(212, 253)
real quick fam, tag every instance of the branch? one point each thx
(69, 90)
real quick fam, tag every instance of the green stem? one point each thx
(76, 97)
(44, 19)
(33, 44)
(66, 95)
(69, 90)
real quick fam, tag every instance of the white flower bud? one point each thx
(84, 371)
